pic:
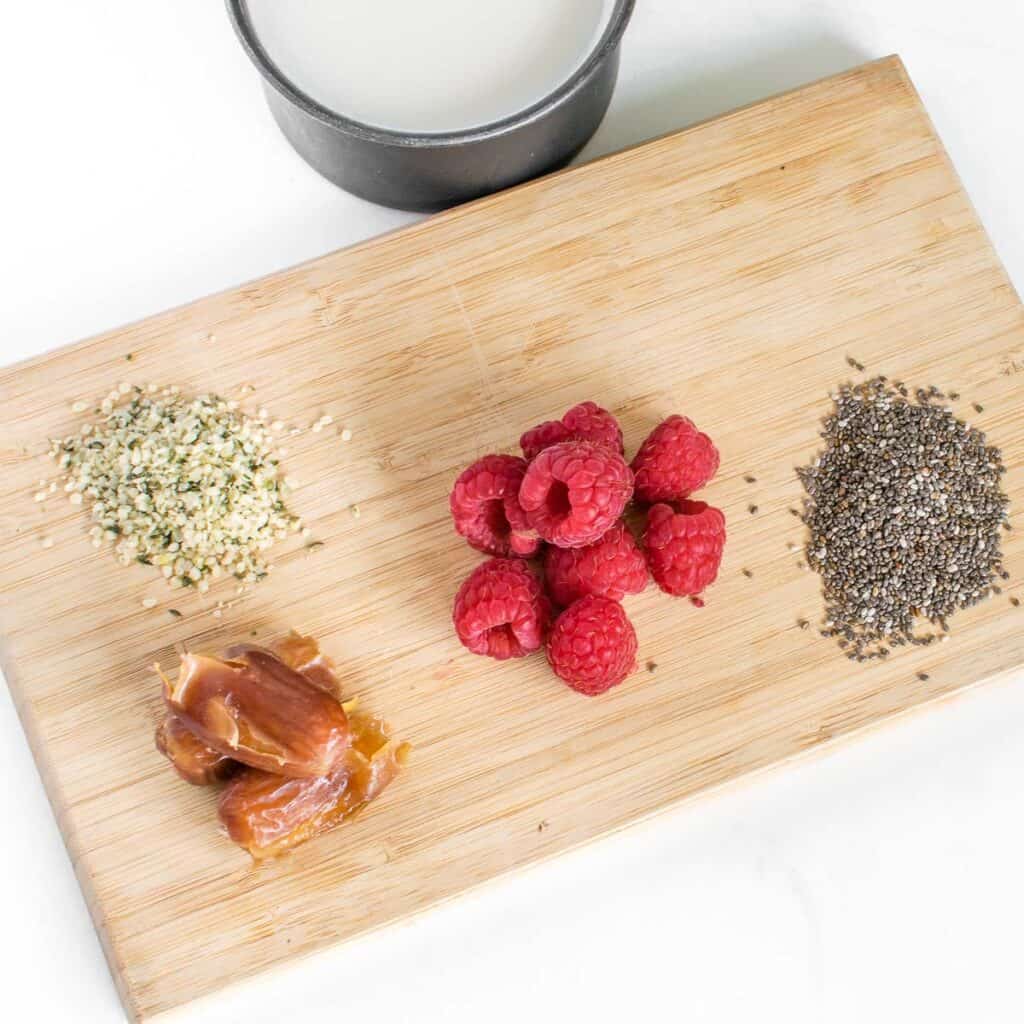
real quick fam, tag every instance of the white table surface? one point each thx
(880, 881)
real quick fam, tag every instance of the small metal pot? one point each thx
(433, 171)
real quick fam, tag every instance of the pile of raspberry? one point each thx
(562, 504)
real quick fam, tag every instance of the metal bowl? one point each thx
(433, 171)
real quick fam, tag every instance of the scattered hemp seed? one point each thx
(904, 507)
(978, 407)
(185, 484)
(748, 574)
(174, 613)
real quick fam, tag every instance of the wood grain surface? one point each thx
(726, 272)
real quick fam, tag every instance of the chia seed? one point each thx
(904, 507)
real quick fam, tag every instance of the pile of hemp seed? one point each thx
(905, 510)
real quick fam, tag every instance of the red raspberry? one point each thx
(684, 548)
(501, 610)
(485, 507)
(574, 492)
(593, 645)
(612, 567)
(534, 441)
(674, 461)
(584, 422)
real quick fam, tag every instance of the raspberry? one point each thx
(584, 422)
(612, 567)
(684, 548)
(674, 461)
(485, 507)
(593, 645)
(574, 492)
(501, 610)
(534, 441)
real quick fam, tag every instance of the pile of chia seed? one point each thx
(905, 512)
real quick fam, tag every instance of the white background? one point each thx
(881, 881)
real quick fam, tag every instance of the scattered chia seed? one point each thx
(904, 507)
(748, 574)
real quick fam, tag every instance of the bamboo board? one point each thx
(725, 272)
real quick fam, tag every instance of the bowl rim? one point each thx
(238, 11)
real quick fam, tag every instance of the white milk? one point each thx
(428, 65)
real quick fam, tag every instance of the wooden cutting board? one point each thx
(725, 272)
